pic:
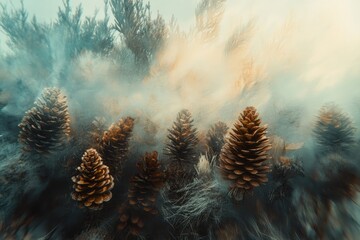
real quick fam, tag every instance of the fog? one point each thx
(286, 58)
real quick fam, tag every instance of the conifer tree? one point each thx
(243, 159)
(141, 34)
(46, 127)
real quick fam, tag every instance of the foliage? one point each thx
(141, 34)
(208, 16)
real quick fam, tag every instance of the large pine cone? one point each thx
(46, 127)
(114, 145)
(243, 157)
(92, 186)
(142, 194)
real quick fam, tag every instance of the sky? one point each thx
(47, 10)
(183, 11)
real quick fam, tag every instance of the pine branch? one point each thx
(142, 35)
(208, 16)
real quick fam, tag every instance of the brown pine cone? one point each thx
(130, 219)
(92, 186)
(182, 151)
(114, 145)
(146, 185)
(142, 194)
(46, 127)
(243, 159)
(182, 139)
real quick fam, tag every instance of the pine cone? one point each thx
(182, 139)
(46, 127)
(142, 194)
(130, 219)
(216, 138)
(334, 130)
(243, 157)
(147, 183)
(92, 186)
(181, 149)
(114, 145)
